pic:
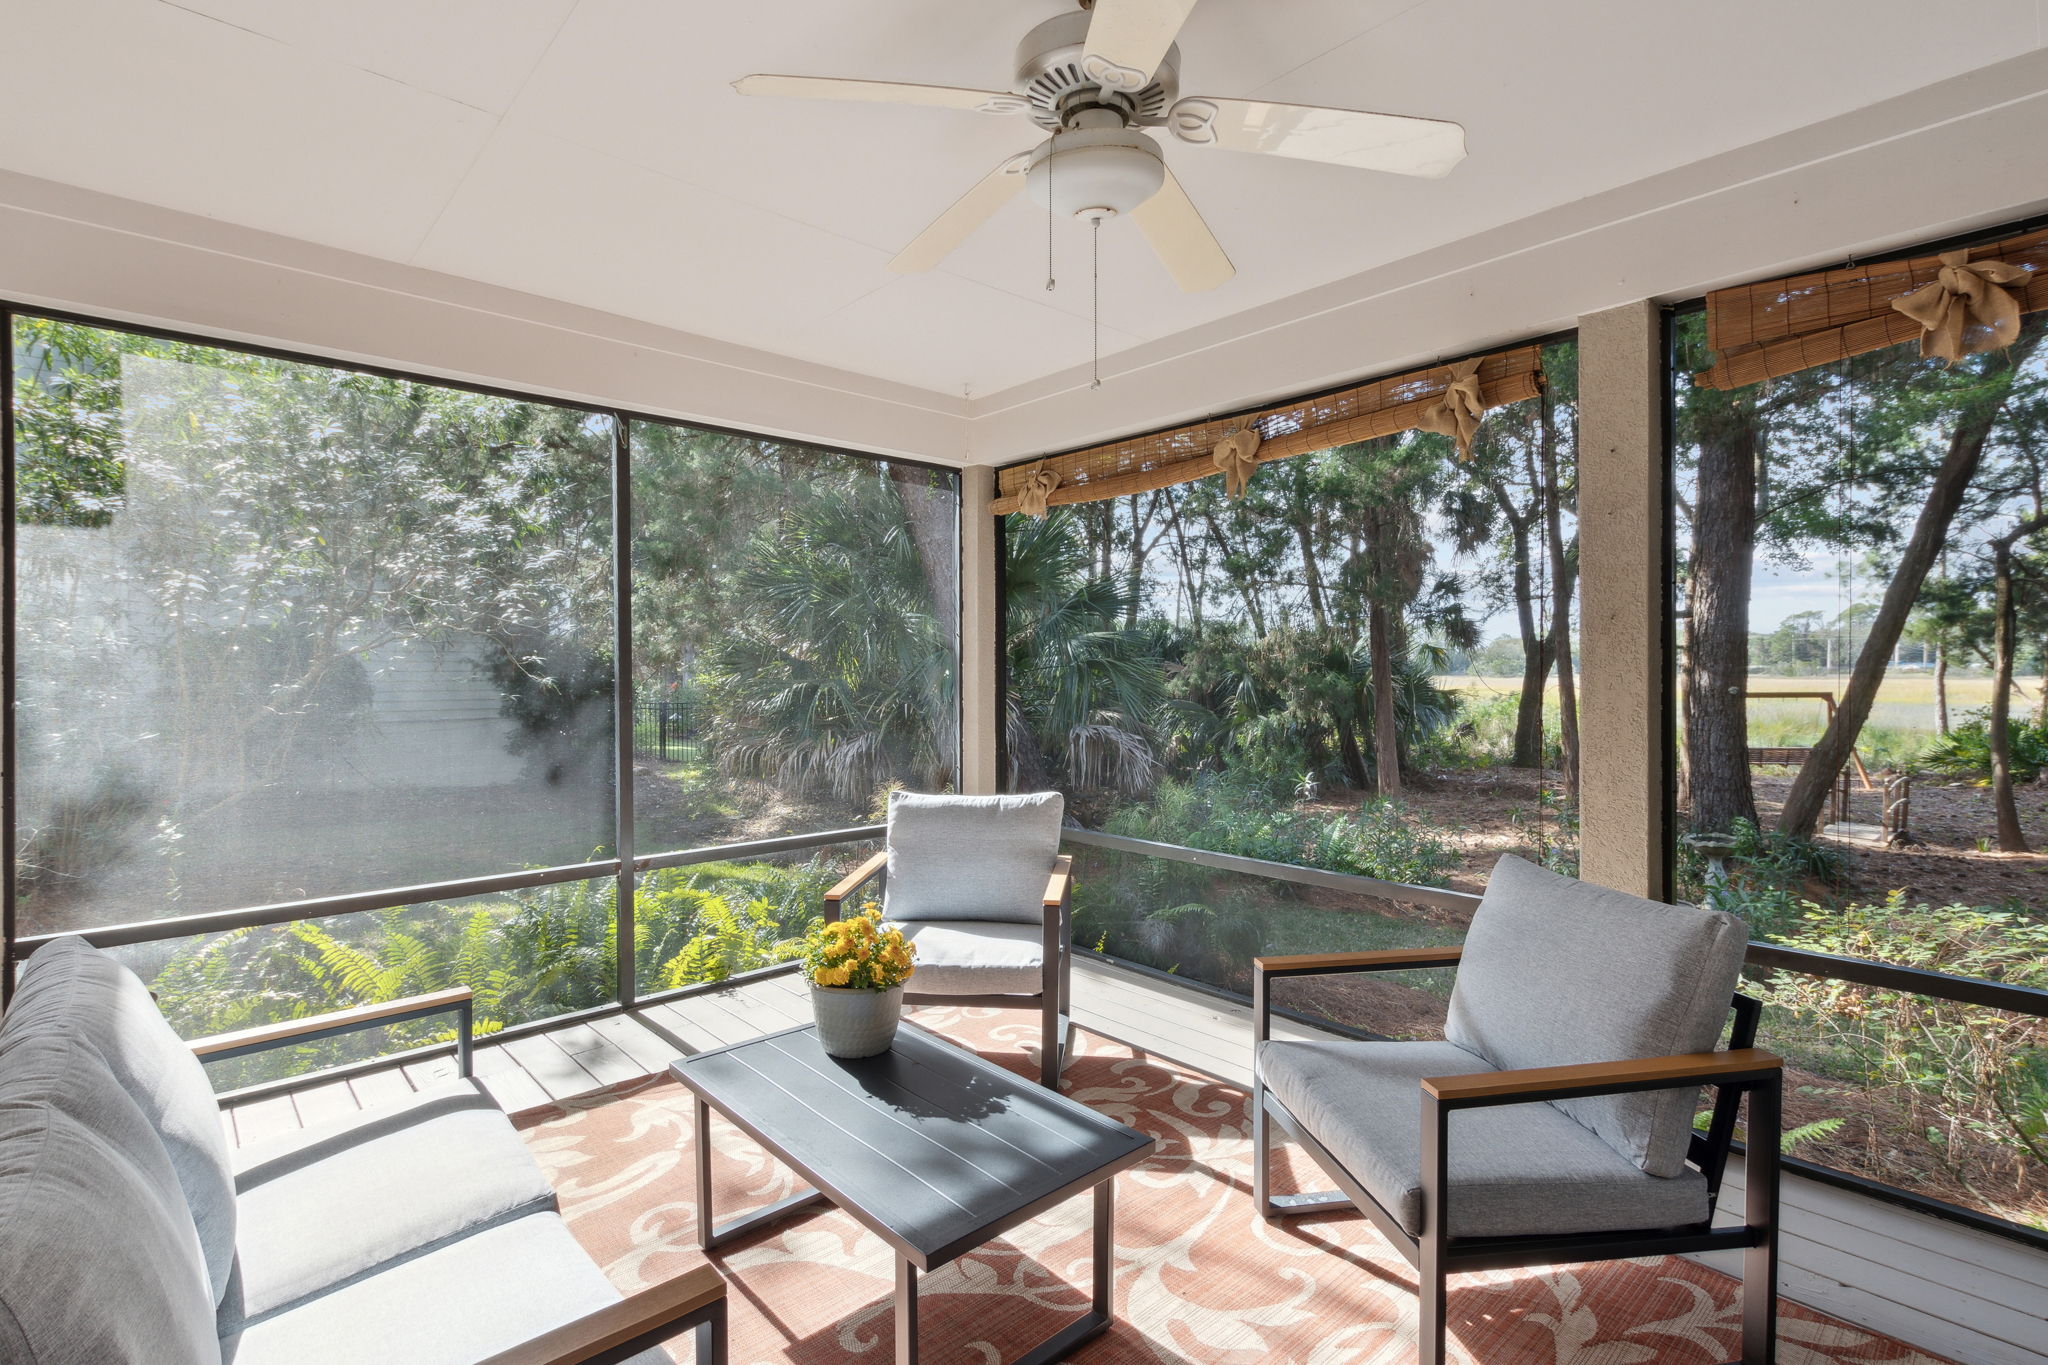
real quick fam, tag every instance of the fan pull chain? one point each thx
(1053, 145)
(1095, 302)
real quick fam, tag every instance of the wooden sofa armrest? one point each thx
(1060, 882)
(1485, 1088)
(263, 1037)
(854, 881)
(694, 1298)
(1382, 960)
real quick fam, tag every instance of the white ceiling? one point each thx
(591, 150)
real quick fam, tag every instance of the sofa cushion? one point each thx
(1557, 972)
(323, 1206)
(99, 1260)
(1514, 1169)
(976, 957)
(69, 984)
(455, 1305)
(971, 857)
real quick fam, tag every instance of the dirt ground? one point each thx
(1481, 814)
(1945, 864)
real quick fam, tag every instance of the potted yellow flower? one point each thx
(857, 968)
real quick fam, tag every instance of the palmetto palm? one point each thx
(1084, 689)
(838, 675)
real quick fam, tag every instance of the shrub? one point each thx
(1967, 1083)
(1225, 814)
(1965, 751)
(1767, 871)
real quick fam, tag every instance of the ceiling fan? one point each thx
(1094, 79)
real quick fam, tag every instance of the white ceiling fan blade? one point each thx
(1128, 38)
(1426, 147)
(969, 212)
(882, 92)
(1180, 238)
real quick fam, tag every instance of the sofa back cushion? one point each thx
(1557, 972)
(99, 1263)
(971, 857)
(70, 986)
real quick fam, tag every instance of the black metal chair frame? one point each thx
(1054, 999)
(1740, 1070)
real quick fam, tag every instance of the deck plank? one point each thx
(431, 1072)
(320, 1105)
(272, 1116)
(558, 1073)
(628, 1034)
(376, 1089)
(514, 1091)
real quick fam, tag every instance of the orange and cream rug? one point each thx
(1199, 1277)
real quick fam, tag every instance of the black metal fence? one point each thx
(669, 729)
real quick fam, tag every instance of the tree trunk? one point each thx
(1930, 531)
(2004, 646)
(1528, 749)
(1181, 562)
(1386, 747)
(1245, 590)
(1717, 628)
(1941, 686)
(2041, 695)
(1353, 756)
(1311, 575)
(1562, 574)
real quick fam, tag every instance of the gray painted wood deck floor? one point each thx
(542, 1069)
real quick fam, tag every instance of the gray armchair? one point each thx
(978, 884)
(1581, 1030)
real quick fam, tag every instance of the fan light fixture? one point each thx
(1097, 171)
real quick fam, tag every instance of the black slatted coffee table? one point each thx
(929, 1147)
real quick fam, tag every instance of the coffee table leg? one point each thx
(705, 1236)
(1105, 1250)
(906, 1312)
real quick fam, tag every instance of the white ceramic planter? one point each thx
(854, 1023)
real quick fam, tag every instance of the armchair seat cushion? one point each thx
(976, 957)
(322, 1207)
(455, 1305)
(1515, 1170)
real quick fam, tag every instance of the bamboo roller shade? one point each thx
(1182, 454)
(1777, 327)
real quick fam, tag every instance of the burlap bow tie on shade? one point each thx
(1457, 413)
(1965, 292)
(1237, 455)
(1034, 492)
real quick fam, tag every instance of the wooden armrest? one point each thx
(854, 880)
(1602, 1078)
(641, 1314)
(1056, 884)
(338, 1021)
(1383, 960)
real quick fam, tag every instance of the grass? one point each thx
(1901, 723)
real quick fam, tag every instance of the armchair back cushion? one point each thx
(1557, 972)
(71, 985)
(99, 1261)
(971, 857)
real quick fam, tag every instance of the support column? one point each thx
(1625, 754)
(978, 709)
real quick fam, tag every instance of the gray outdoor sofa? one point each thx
(418, 1234)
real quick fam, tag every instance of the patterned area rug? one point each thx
(1199, 1277)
